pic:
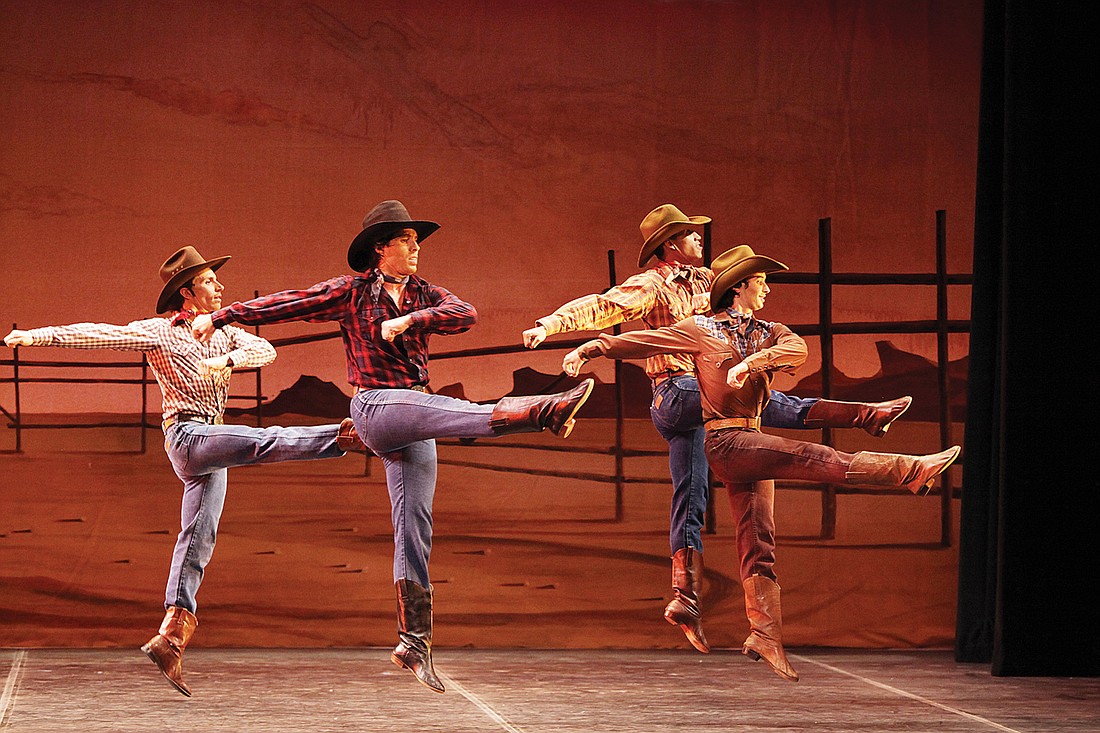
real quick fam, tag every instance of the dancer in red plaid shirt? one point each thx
(386, 315)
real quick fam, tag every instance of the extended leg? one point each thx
(805, 413)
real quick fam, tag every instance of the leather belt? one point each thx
(668, 373)
(414, 388)
(752, 423)
(190, 417)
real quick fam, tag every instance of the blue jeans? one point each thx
(200, 455)
(678, 416)
(400, 427)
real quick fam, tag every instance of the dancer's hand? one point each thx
(202, 328)
(18, 338)
(572, 362)
(532, 337)
(700, 303)
(213, 364)
(737, 375)
(394, 327)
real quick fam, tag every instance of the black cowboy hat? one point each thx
(388, 216)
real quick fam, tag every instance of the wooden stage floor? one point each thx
(283, 690)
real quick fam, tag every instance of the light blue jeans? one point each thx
(200, 455)
(678, 416)
(400, 427)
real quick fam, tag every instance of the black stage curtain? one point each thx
(1029, 526)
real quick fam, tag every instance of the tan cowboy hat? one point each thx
(179, 269)
(735, 265)
(388, 216)
(661, 224)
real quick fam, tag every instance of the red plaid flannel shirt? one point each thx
(359, 305)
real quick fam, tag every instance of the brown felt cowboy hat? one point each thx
(735, 265)
(178, 270)
(385, 218)
(663, 223)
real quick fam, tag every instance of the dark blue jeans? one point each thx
(678, 416)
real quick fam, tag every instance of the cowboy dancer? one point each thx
(675, 287)
(194, 385)
(386, 315)
(734, 356)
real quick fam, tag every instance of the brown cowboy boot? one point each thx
(414, 628)
(765, 640)
(687, 587)
(874, 417)
(347, 439)
(166, 648)
(533, 413)
(916, 473)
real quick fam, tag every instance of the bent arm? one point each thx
(248, 349)
(447, 314)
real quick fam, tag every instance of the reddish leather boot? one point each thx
(166, 648)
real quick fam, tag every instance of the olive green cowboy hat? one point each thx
(661, 224)
(735, 265)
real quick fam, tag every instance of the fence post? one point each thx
(943, 357)
(144, 397)
(613, 281)
(18, 410)
(825, 314)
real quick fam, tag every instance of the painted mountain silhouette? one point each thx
(900, 373)
(308, 396)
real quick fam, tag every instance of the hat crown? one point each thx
(731, 257)
(183, 258)
(387, 212)
(660, 218)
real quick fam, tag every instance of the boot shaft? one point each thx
(915, 473)
(874, 417)
(178, 626)
(414, 609)
(533, 413)
(687, 571)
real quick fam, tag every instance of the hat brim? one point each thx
(666, 232)
(359, 253)
(739, 271)
(183, 276)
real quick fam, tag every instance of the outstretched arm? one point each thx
(631, 300)
(135, 336)
(679, 338)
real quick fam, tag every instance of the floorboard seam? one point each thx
(903, 693)
(11, 688)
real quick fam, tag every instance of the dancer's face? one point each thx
(401, 255)
(752, 294)
(206, 293)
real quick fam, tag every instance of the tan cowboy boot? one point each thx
(687, 587)
(347, 439)
(765, 640)
(533, 413)
(916, 473)
(874, 417)
(166, 648)
(414, 626)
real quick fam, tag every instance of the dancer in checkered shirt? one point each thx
(194, 384)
